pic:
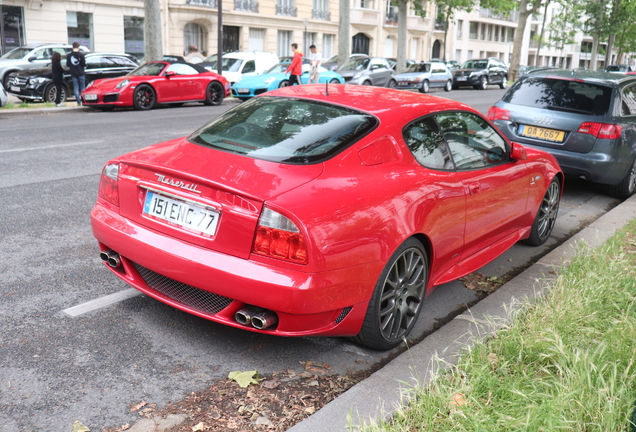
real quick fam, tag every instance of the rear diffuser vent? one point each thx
(187, 295)
(343, 314)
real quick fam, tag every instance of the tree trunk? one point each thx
(524, 13)
(344, 47)
(401, 42)
(594, 55)
(545, 16)
(152, 30)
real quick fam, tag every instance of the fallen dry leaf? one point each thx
(458, 399)
(198, 427)
(138, 406)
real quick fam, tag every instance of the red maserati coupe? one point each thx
(162, 82)
(322, 210)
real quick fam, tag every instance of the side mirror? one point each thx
(170, 74)
(518, 152)
(32, 58)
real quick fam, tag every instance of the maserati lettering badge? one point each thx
(177, 183)
(542, 120)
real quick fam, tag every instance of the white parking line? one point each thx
(21, 149)
(102, 302)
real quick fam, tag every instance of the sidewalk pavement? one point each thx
(389, 388)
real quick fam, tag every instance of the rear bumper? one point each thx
(331, 303)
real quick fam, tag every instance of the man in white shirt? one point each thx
(314, 62)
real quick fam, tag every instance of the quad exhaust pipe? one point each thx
(111, 258)
(256, 317)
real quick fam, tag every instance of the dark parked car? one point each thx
(481, 73)
(37, 85)
(619, 68)
(586, 119)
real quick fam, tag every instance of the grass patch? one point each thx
(11, 105)
(564, 364)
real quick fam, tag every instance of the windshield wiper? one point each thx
(573, 110)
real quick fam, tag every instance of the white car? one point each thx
(4, 98)
(237, 64)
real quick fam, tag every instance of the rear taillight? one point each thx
(108, 189)
(601, 130)
(496, 113)
(278, 237)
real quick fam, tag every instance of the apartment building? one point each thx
(191, 27)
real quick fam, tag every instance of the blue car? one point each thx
(253, 85)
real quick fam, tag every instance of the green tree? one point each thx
(564, 23)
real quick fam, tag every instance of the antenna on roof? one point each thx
(327, 88)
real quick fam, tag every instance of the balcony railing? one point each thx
(207, 3)
(286, 10)
(320, 15)
(513, 16)
(391, 18)
(246, 5)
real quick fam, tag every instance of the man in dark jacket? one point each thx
(76, 63)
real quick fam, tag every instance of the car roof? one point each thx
(370, 99)
(599, 77)
(248, 54)
(199, 68)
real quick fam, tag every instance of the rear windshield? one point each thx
(422, 67)
(286, 130)
(560, 95)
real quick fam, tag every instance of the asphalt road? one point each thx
(55, 368)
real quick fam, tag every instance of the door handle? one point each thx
(474, 188)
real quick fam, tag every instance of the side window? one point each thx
(93, 62)
(249, 67)
(182, 69)
(472, 142)
(427, 144)
(628, 103)
(43, 54)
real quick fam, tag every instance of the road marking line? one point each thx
(48, 147)
(102, 302)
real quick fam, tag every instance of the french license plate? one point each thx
(186, 215)
(542, 133)
(461, 78)
(14, 88)
(243, 91)
(90, 96)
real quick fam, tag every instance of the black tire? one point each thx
(504, 82)
(214, 94)
(546, 216)
(627, 186)
(392, 84)
(283, 83)
(425, 87)
(144, 97)
(367, 83)
(483, 83)
(50, 92)
(449, 86)
(397, 299)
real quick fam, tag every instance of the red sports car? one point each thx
(322, 210)
(162, 82)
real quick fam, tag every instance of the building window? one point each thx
(13, 23)
(496, 35)
(489, 32)
(460, 25)
(246, 5)
(473, 31)
(360, 44)
(366, 4)
(257, 39)
(458, 55)
(328, 42)
(193, 38)
(284, 43)
(511, 34)
(470, 55)
(415, 47)
(134, 36)
(321, 10)
(482, 34)
(286, 7)
(80, 28)
(309, 39)
(388, 47)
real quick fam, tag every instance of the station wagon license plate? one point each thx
(90, 97)
(183, 214)
(542, 133)
(14, 88)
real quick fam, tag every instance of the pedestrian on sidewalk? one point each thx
(58, 76)
(295, 69)
(314, 73)
(76, 63)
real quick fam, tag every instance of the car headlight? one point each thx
(270, 80)
(122, 84)
(37, 80)
(416, 79)
(89, 84)
(357, 75)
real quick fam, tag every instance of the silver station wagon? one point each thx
(587, 120)
(424, 76)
